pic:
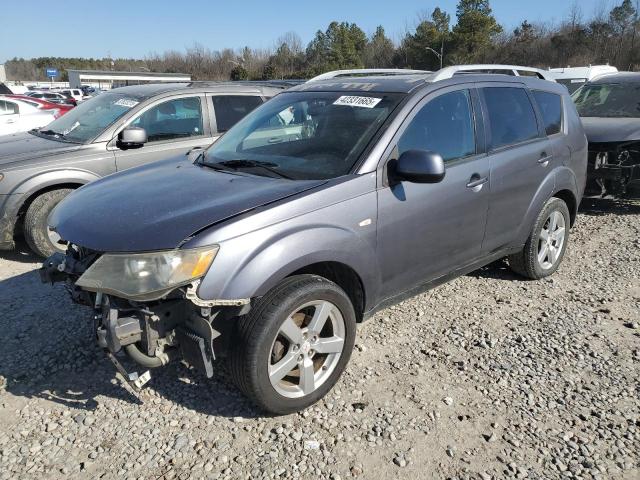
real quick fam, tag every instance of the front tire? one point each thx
(40, 239)
(291, 349)
(544, 250)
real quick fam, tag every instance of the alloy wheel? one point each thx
(306, 349)
(551, 240)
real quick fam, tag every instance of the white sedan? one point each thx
(18, 116)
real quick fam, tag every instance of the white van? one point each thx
(574, 77)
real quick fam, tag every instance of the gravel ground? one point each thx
(486, 377)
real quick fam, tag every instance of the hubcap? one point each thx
(551, 240)
(306, 349)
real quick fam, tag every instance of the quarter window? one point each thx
(444, 125)
(511, 116)
(178, 118)
(8, 108)
(231, 108)
(550, 106)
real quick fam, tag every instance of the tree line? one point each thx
(606, 36)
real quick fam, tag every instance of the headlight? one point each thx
(146, 276)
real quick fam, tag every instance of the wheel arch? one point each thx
(342, 275)
(568, 197)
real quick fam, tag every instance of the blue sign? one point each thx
(52, 72)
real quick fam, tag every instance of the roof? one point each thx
(448, 72)
(621, 77)
(153, 89)
(411, 83)
(367, 72)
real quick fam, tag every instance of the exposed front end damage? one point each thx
(614, 169)
(178, 326)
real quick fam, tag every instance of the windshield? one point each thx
(89, 119)
(620, 100)
(303, 135)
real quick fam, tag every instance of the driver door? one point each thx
(428, 230)
(174, 126)
(9, 117)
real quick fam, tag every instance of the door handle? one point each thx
(11, 120)
(275, 140)
(544, 159)
(477, 181)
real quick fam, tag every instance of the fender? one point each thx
(38, 181)
(266, 260)
(545, 190)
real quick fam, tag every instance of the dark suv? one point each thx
(327, 203)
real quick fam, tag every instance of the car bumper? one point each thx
(9, 207)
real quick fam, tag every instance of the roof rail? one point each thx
(513, 70)
(254, 83)
(358, 72)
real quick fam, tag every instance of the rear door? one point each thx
(229, 109)
(520, 157)
(9, 117)
(428, 230)
(174, 126)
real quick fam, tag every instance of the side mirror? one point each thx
(420, 166)
(131, 137)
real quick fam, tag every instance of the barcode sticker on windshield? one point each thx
(353, 101)
(126, 102)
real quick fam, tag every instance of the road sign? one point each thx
(52, 72)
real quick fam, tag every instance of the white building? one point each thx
(3, 74)
(106, 79)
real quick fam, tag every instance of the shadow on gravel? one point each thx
(605, 206)
(498, 270)
(49, 352)
(22, 253)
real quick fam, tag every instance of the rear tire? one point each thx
(284, 357)
(544, 250)
(36, 230)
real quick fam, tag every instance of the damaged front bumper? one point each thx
(614, 169)
(179, 326)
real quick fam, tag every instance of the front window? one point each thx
(89, 119)
(304, 135)
(616, 100)
(177, 118)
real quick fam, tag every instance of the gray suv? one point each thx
(114, 131)
(327, 203)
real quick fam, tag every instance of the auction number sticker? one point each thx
(354, 101)
(126, 102)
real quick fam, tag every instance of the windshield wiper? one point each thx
(51, 132)
(238, 164)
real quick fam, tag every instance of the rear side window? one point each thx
(444, 125)
(231, 108)
(511, 116)
(8, 108)
(550, 106)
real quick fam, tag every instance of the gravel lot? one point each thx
(486, 377)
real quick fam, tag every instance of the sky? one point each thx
(135, 28)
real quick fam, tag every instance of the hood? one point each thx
(159, 205)
(604, 129)
(21, 147)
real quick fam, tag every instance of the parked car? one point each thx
(574, 77)
(57, 109)
(4, 90)
(101, 136)
(610, 110)
(74, 93)
(329, 202)
(19, 116)
(53, 97)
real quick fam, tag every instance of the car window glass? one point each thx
(511, 116)
(8, 108)
(444, 125)
(178, 118)
(550, 105)
(231, 108)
